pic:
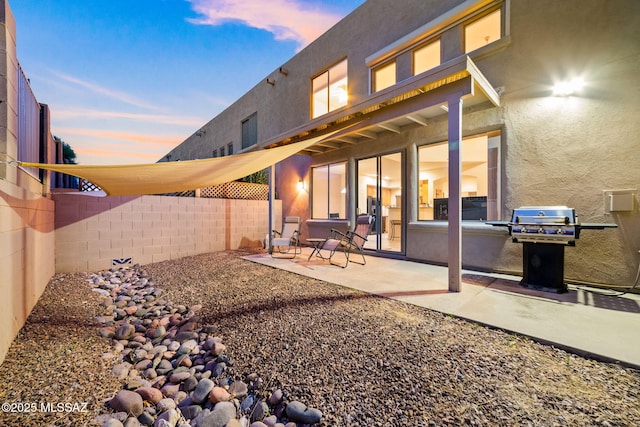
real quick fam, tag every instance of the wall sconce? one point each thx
(284, 71)
(568, 87)
(300, 185)
(271, 81)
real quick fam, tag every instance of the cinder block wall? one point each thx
(93, 231)
(26, 216)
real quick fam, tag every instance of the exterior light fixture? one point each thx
(271, 81)
(568, 87)
(300, 185)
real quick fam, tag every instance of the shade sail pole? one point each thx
(455, 209)
(272, 192)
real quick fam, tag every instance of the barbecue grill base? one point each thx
(543, 267)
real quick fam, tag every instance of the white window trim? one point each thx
(449, 19)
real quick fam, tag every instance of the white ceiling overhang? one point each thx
(413, 102)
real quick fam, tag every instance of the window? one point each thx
(482, 31)
(330, 90)
(329, 194)
(221, 151)
(215, 153)
(426, 57)
(230, 148)
(249, 131)
(479, 180)
(384, 76)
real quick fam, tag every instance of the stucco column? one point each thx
(454, 209)
(411, 193)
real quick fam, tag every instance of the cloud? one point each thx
(285, 19)
(109, 93)
(73, 113)
(170, 141)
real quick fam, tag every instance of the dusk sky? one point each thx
(128, 80)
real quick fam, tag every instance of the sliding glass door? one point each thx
(380, 189)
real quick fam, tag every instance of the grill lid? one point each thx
(544, 215)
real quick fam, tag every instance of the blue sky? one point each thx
(127, 80)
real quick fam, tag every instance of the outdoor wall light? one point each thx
(568, 87)
(271, 81)
(300, 185)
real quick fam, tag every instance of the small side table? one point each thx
(317, 245)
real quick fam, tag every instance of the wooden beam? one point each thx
(418, 119)
(390, 127)
(367, 134)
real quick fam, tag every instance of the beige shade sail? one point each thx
(169, 177)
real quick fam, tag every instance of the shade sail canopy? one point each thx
(169, 177)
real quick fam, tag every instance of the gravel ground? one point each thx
(362, 360)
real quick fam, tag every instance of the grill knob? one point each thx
(541, 230)
(560, 231)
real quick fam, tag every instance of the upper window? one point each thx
(330, 90)
(329, 194)
(426, 57)
(249, 131)
(384, 76)
(230, 148)
(215, 153)
(221, 151)
(482, 31)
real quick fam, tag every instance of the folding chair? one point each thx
(288, 239)
(350, 242)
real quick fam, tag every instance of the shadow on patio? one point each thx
(592, 322)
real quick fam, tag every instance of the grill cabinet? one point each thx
(544, 231)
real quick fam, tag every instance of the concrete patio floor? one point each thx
(598, 323)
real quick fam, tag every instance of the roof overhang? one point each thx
(413, 102)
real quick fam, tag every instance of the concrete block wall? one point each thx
(26, 216)
(26, 256)
(93, 231)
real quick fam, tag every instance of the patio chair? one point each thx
(287, 242)
(350, 242)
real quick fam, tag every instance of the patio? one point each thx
(592, 322)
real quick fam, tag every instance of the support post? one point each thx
(455, 209)
(272, 196)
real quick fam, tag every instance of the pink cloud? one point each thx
(285, 19)
(170, 141)
(74, 113)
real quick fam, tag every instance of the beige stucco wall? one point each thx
(555, 150)
(93, 231)
(26, 217)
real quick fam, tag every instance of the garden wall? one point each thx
(94, 233)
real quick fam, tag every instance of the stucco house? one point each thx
(452, 113)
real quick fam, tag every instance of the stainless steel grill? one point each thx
(544, 231)
(547, 224)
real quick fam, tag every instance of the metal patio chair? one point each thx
(350, 242)
(287, 241)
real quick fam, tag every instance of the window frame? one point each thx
(249, 131)
(425, 44)
(380, 67)
(478, 17)
(326, 86)
(327, 200)
(493, 177)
